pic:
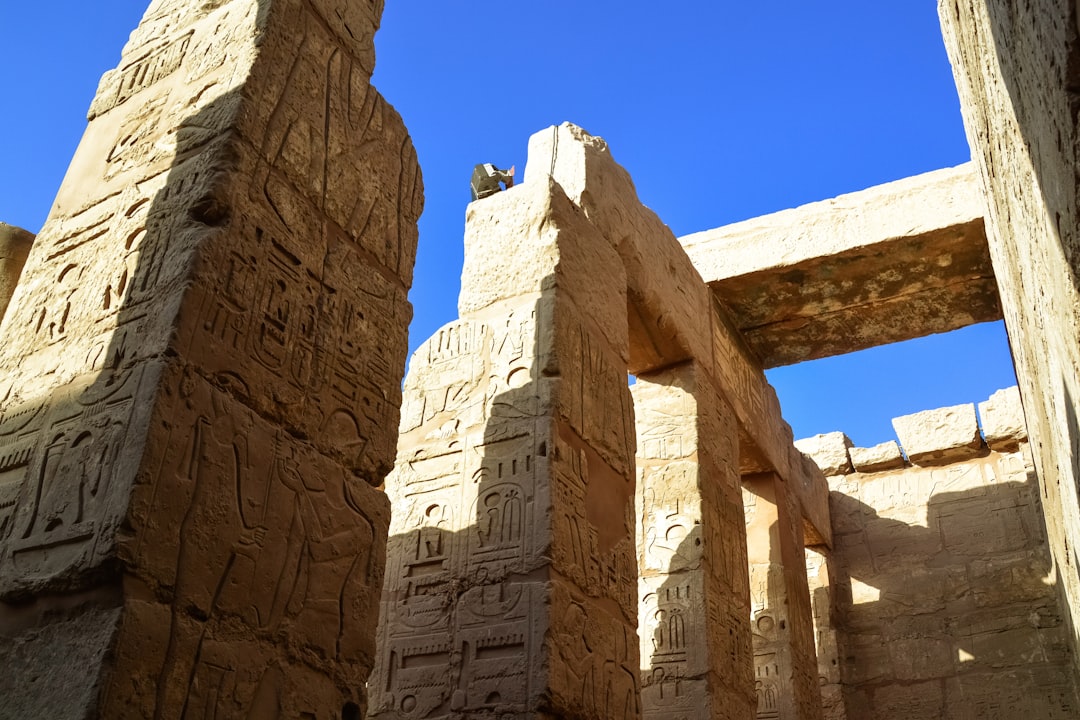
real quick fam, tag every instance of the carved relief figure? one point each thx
(218, 471)
(74, 476)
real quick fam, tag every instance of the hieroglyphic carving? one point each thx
(240, 219)
(693, 569)
(671, 620)
(457, 634)
(65, 466)
(294, 556)
(321, 316)
(597, 403)
(511, 590)
(911, 645)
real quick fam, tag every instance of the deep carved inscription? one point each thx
(201, 372)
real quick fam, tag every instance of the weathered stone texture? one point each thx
(821, 579)
(883, 456)
(828, 451)
(694, 594)
(512, 590)
(201, 367)
(890, 263)
(1015, 66)
(945, 596)
(1002, 417)
(54, 669)
(15, 244)
(785, 661)
(672, 316)
(934, 436)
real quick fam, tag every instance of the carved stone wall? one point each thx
(1016, 66)
(945, 605)
(200, 375)
(512, 583)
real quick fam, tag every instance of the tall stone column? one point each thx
(199, 377)
(785, 660)
(694, 595)
(511, 590)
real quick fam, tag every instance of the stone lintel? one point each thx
(766, 443)
(785, 660)
(670, 309)
(893, 262)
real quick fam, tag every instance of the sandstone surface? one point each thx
(889, 263)
(1014, 66)
(200, 374)
(829, 451)
(883, 456)
(942, 434)
(515, 461)
(943, 583)
(15, 245)
(512, 589)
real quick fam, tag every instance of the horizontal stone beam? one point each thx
(894, 262)
(672, 315)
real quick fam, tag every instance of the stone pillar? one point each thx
(820, 573)
(201, 368)
(694, 596)
(511, 584)
(15, 245)
(785, 660)
(1016, 66)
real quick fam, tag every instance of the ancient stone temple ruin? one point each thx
(200, 368)
(207, 509)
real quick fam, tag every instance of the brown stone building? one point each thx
(206, 510)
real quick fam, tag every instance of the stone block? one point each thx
(920, 658)
(14, 247)
(828, 451)
(56, 666)
(884, 456)
(1003, 420)
(889, 263)
(202, 367)
(933, 437)
(916, 701)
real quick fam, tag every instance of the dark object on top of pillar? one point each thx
(486, 179)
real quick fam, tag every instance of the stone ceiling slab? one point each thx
(894, 262)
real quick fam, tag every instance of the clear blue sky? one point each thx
(721, 111)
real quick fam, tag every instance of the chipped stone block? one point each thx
(884, 456)
(828, 451)
(203, 359)
(1003, 420)
(935, 436)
